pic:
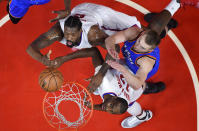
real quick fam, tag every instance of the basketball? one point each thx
(50, 79)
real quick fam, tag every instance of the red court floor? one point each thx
(21, 97)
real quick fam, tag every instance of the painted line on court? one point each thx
(172, 36)
(181, 49)
(4, 20)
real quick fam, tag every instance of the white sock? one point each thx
(173, 7)
(135, 109)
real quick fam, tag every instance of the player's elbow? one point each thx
(138, 84)
(94, 51)
(137, 87)
(30, 49)
(109, 40)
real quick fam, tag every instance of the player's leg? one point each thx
(138, 116)
(160, 21)
(171, 25)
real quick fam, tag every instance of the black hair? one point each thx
(73, 21)
(152, 38)
(123, 104)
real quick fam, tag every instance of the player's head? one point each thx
(72, 31)
(147, 41)
(115, 105)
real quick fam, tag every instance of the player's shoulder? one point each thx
(146, 61)
(94, 30)
(55, 32)
(132, 32)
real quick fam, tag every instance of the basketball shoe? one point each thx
(133, 121)
(154, 87)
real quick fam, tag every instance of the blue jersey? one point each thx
(131, 58)
(18, 8)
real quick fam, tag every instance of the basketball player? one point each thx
(88, 25)
(18, 8)
(118, 97)
(140, 48)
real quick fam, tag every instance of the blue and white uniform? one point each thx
(18, 8)
(131, 57)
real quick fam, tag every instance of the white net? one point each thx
(70, 92)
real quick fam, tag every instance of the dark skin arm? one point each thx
(87, 52)
(61, 14)
(96, 80)
(97, 37)
(95, 106)
(67, 5)
(45, 40)
(98, 106)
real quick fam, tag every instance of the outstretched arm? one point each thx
(67, 5)
(61, 14)
(135, 81)
(128, 34)
(83, 53)
(96, 80)
(44, 40)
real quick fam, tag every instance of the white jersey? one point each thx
(109, 20)
(115, 84)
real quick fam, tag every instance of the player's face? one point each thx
(141, 46)
(111, 106)
(72, 35)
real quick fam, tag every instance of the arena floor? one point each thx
(174, 109)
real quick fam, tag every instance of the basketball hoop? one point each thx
(59, 109)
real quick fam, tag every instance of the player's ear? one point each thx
(80, 30)
(114, 97)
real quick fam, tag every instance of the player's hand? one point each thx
(46, 60)
(112, 51)
(87, 103)
(61, 14)
(58, 61)
(95, 82)
(116, 65)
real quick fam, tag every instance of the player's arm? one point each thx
(44, 40)
(95, 106)
(96, 36)
(135, 81)
(128, 34)
(61, 14)
(83, 53)
(97, 78)
(67, 4)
